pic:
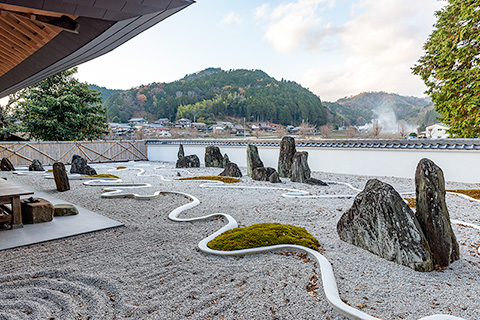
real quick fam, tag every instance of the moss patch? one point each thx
(121, 167)
(216, 178)
(412, 202)
(263, 234)
(474, 193)
(103, 175)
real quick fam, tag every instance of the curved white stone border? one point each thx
(327, 275)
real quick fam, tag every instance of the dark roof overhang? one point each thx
(101, 26)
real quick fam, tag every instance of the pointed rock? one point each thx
(231, 170)
(213, 157)
(36, 166)
(6, 165)
(381, 222)
(253, 159)
(181, 152)
(79, 165)
(300, 169)
(285, 159)
(432, 213)
(226, 160)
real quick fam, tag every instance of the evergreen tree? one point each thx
(61, 108)
(450, 67)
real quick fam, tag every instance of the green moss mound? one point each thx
(103, 175)
(261, 235)
(216, 178)
(474, 193)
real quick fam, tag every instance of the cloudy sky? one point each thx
(336, 48)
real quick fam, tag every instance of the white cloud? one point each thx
(231, 18)
(382, 41)
(291, 24)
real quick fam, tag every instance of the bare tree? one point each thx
(351, 132)
(281, 131)
(429, 132)
(304, 129)
(376, 129)
(326, 131)
(402, 129)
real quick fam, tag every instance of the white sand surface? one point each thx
(151, 268)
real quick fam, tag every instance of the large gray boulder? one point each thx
(253, 159)
(432, 213)
(300, 171)
(190, 161)
(265, 174)
(285, 159)
(79, 165)
(213, 157)
(226, 160)
(381, 222)
(231, 170)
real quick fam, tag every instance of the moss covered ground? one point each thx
(215, 178)
(263, 234)
(103, 175)
(474, 193)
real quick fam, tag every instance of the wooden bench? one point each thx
(10, 194)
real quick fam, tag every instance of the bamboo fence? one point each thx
(22, 153)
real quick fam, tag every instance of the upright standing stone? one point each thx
(432, 213)
(382, 223)
(6, 165)
(213, 157)
(60, 176)
(226, 160)
(300, 169)
(285, 159)
(36, 166)
(181, 152)
(253, 159)
(79, 165)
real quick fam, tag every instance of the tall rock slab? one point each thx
(300, 169)
(285, 159)
(432, 213)
(381, 222)
(61, 177)
(213, 157)
(253, 159)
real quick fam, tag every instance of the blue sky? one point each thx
(336, 48)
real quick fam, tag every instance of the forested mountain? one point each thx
(365, 107)
(213, 94)
(106, 93)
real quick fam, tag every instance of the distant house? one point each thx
(437, 131)
(200, 126)
(183, 123)
(265, 127)
(164, 122)
(137, 121)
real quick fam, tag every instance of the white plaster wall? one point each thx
(457, 165)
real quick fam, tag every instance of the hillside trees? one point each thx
(214, 93)
(61, 108)
(450, 67)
